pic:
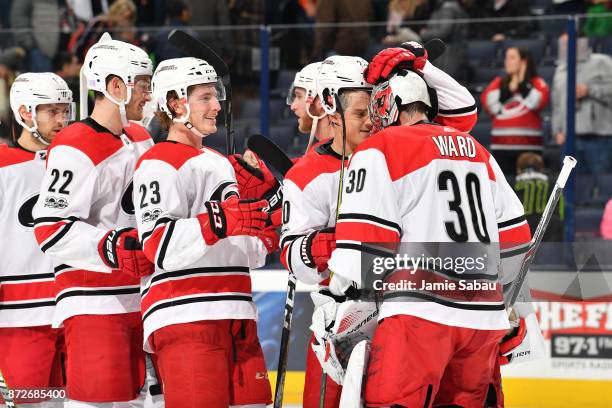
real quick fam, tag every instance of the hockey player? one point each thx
(311, 186)
(30, 357)
(84, 220)
(198, 311)
(418, 182)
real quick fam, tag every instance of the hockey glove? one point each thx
(120, 249)
(270, 239)
(390, 59)
(232, 217)
(317, 248)
(253, 182)
(323, 320)
(511, 342)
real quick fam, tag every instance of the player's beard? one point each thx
(305, 124)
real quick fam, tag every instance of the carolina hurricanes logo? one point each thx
(24, 215)
(127, 203)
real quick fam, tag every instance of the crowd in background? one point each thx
(526, 111)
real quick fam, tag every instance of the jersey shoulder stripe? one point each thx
(410, 148)
(174, 153)
(320, 160)
(10, 156)
(137, 133)
(87, 136)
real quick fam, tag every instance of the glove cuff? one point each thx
(216, 216)
(305, 252)
(107, 247)
(209, 236)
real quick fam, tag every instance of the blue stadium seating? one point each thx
(482, 52)
(249, 108)
(482, 133)
(547, 73)
(283, 136)
(605, 45)
(484, 75)
(583, 188)
(284, 81)
(588, 221)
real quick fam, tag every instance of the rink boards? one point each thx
(578, 336)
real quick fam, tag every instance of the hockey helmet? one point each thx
(306, 78)
(178, 74)
(340, 72)
(32, 89)
(112, 57)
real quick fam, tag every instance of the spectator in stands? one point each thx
(212, 13)
(178, 15)
(10, 60)
(533, 186)
(514, 102)
(119, 21)
(341, 40)
(441, 25)
(606, 221)
(500, 30)
(593, 106)
(400, 12)
(68, 66)
(597, 24)
(38, 22)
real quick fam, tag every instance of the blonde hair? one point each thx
(405, 7)
(119, 8)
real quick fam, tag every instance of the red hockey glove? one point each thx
(390, 59)
(270, 239)
(232, 217)
(275, 218)
(120, 249)
(253, 183)
(511, 341)
(317, 248)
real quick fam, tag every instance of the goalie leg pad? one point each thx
(312, 385)
(352, 389)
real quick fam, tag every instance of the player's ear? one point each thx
(25, 114)
(116, 88)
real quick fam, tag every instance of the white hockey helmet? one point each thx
(32, 89)
(388, 97)
(306, 79)
(178, 74)
(339, 72)
(112, 57)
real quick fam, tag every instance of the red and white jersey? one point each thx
(87, 191)
(431, 184)
(310, 197)
(456, 105)
(27, 289)
(517, 124)
(192, 281)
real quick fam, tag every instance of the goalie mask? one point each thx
(33, 89)
(178, 74)
(112, 57)
(401, 89)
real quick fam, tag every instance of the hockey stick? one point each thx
(269, 152)
(6, 393)
(568, 164)
(193, 47)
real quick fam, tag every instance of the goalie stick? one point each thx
(193, 47)
(274, 156)
(568, 164)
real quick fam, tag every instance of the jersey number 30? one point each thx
(472, 186)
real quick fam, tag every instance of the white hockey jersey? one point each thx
(431, 184)
(310, 188)
(27, 288)
(87, 191)
(192, 281)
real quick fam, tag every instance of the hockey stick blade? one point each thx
(270, 153)
(435, 48)
(193, 47)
